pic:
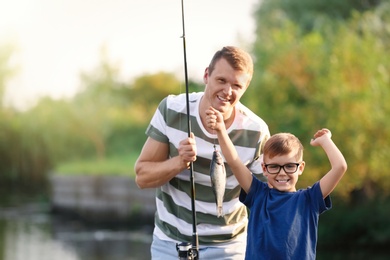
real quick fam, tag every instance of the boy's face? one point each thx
(283, 181)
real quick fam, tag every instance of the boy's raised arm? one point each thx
(337, 161)
(214, 120)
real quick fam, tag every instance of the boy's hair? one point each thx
(283, 143)
(237, 58)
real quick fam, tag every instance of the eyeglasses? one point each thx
(288, 168)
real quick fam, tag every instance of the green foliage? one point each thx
(102, 125)
(307, 14)
(356, 225)
(23, 153)
(317, 64)
(115, 165)
(335, 76)
(149, 90)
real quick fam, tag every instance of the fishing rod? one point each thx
(187, 250)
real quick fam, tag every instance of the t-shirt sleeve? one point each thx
(157, 126)
(324, 204)
(254, 190)
(255, 166)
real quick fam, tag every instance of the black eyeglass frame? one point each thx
(282, 166)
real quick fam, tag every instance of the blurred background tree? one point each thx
(324, 64)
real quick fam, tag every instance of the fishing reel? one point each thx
(186, 251)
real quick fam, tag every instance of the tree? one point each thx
(148, 90)
(310, 15)
(334, 76)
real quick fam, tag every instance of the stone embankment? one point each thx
(109, 199)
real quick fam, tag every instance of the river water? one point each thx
(30, 232)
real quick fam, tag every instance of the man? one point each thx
(168, 152)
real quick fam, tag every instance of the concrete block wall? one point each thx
(101, 198)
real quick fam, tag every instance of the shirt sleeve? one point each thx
(157, 126)
(324, 204)
(255, 190)
(255, 166)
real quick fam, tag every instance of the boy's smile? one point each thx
(275, 171)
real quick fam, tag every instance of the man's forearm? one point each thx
(156, 174)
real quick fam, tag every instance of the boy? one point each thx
(283, 222)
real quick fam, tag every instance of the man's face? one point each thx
(224, 87)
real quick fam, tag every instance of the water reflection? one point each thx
(31, 233)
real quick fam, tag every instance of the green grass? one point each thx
(114, 165)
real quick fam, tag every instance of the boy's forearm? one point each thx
(227, 147)
(240, 171)
(338, 168)
(335, 156)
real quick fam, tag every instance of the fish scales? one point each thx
(218, 180)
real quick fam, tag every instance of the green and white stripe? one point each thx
(174, 216)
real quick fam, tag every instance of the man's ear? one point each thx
(206, 76)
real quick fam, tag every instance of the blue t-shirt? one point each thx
(283, 225)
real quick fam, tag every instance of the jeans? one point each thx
(166, 250)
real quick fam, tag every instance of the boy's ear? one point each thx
(265, 173)
(301, 167)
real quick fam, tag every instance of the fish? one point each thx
(218, 180)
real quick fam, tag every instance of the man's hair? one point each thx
(237, 58)
(282, 144)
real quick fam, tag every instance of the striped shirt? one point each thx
(173, 219)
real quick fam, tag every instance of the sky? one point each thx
(57, 40)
